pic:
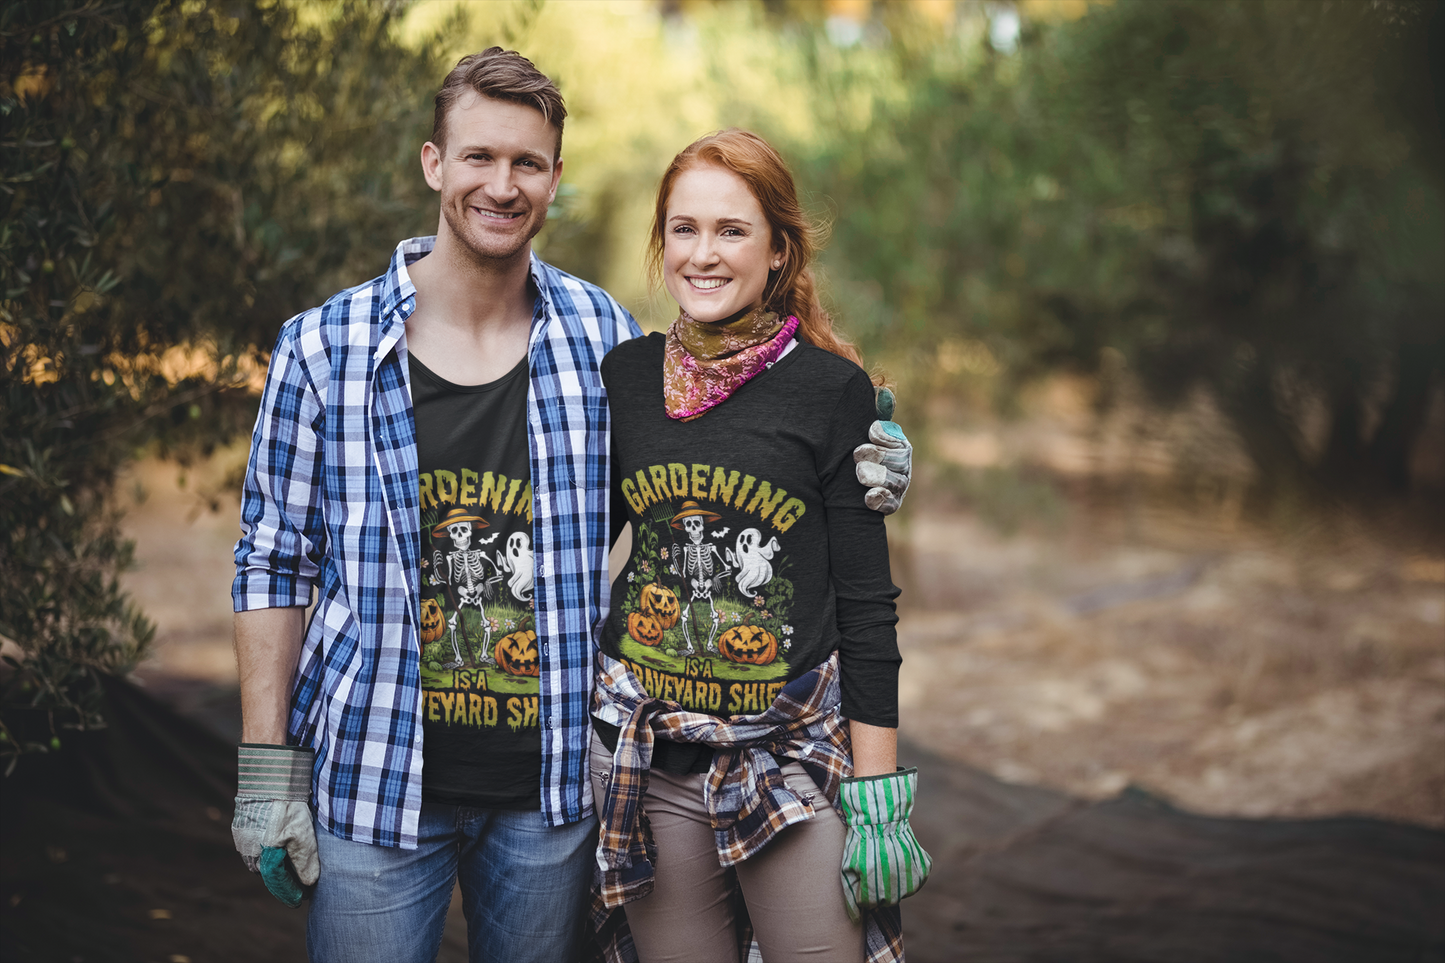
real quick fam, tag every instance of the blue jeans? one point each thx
(525, 890)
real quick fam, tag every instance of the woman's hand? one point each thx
(882, 860)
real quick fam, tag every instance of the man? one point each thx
(460, 386)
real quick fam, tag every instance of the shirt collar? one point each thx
(538, 271)
(398, 293)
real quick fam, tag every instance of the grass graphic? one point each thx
(722, 669)
(506, 617)
(667, 655)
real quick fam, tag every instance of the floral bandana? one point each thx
(703, 364)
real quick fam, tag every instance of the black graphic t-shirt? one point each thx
(753, 554)
(479, 660)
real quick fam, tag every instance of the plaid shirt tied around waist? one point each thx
(744, 791)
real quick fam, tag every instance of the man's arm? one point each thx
(277, 560)
(272, 826)
(268, 646)
(282, 542)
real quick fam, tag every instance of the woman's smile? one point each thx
(708, 284)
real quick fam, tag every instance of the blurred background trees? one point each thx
(1240, 196)
(1230, 200)
(177, 178)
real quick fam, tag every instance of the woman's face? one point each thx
(718, 245)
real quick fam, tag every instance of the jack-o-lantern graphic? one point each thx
(660, 604)
(517, 654)
(644, 628)
(752, 644)
(433, 624)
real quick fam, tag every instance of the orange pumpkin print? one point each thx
(517, 654)
(644, 628)
(433, 624)
(660, 604)
(751, 644)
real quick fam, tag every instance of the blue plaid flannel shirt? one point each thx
(330, 501)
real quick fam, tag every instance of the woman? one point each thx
(748, 676)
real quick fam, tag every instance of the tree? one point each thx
(178, 178)
(1291, 162)
(1241, 196)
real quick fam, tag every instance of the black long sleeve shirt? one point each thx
(753, 555)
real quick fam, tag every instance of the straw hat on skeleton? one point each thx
(691, 509)
(454, 516)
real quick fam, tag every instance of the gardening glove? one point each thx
(885, 465)
(273, 829)
(882, 861)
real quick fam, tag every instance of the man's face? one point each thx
(496, 176)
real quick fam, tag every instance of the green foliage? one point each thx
(177, 179)
(1240, 196)
(654, 559)
(777, 610)
(720, 669)
(1290, 204)
(505, 617)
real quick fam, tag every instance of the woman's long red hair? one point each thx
(791, 289)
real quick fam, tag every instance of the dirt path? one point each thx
(1226, 668)
(1231, 672)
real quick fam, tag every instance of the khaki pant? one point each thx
(793, 888)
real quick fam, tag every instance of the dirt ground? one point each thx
(1233, 673)
(1115, 636)
(1142, 626)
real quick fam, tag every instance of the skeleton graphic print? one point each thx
(707, 600)
(477, 629)
(480, 659)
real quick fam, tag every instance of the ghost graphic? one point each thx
(753, 561)
(517, 559)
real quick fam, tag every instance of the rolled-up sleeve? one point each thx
(282, 523)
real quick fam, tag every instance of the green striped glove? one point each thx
(272, 828)
(882, 861)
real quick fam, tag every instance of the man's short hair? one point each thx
(502, 75)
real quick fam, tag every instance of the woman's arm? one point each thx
(863, 592)
(875, 749)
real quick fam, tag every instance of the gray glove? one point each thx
(886, 464)
(272, 829)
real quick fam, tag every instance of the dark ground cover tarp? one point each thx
(118, 848)
(1026, 874)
